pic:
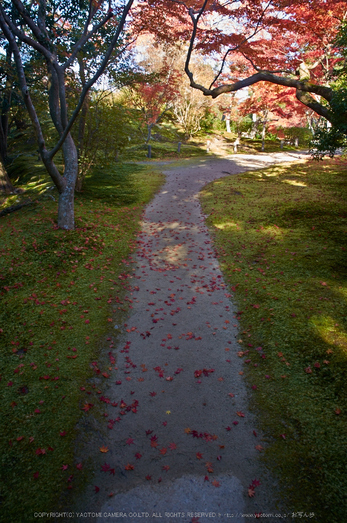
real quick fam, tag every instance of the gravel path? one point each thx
(185, 450)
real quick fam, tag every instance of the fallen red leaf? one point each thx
(87, 406)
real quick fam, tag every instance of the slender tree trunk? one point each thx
(263, 137)
(66, 218)
(254, 126)
(6, 104)
(263, 133)
(81, 123)
(227, 123)
(149, 132)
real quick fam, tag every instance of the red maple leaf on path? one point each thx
(87, 406)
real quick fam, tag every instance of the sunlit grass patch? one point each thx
(284, 257)
(61, 292)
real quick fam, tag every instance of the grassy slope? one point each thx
(61, 292)
(280, 235)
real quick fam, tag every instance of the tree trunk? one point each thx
(66, 218)
(6, 105)
(227, 123)
(149, 132)
(263, 133)
(254, 126)
(6, 186)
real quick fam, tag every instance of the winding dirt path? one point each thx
(183, 441)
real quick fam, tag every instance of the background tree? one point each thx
(106, 132)
(58, 32)
(152, 96)
(189, 107)
(274, 107)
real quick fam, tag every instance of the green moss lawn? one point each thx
(280, 235)
(62, 293)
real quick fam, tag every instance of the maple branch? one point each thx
(195, 21)
(308, 100)
(277, 71)
(303, 87)
(257, 27)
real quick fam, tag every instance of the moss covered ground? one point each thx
(280, 235)
(62, 293)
